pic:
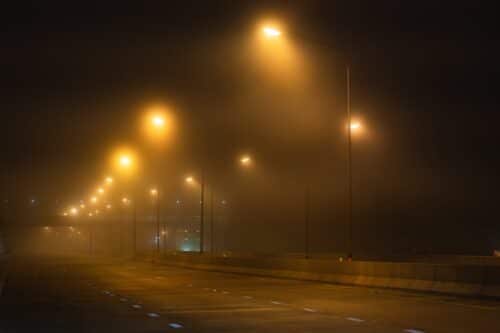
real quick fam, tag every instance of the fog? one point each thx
(422, 172)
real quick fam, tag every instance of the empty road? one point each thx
(88, 295)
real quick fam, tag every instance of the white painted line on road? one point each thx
(153, 315)
(111, 295)
(276, 303)
(137, 306)
(357, 320)
(225, 292)
(175, 325)
(214, 290)
(310, 310)
(123, 299)
(411, 330)
(247, 297)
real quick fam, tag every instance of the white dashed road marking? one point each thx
(136, 306)
(310, 310)
(247, 297)
(175, 325)
(357, 320)
(153, 315)
(123, 300)
(276, 303)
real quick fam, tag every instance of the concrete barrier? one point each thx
(456, 279)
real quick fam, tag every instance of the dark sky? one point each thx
(75, 75)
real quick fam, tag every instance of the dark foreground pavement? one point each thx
(80, 295)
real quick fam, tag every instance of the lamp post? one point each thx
(156, 199)
(271, 32)
(190, 180)
(124, 160)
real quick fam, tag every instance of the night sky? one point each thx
(75, 77)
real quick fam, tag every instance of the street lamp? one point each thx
(108, 180)
(271, 32)
(93, 200)
(155, 196)
(246, 160)
(190, 181)
(355, 126)
(73, 211)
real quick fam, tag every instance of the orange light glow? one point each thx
(271, 32)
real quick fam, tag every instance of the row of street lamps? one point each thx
(157, 125)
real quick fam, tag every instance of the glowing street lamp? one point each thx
(355, 125)
(271, 32)
(82, 206)
(93, 200)
(109, 180)
(153, 192)
(100, 190)
(73, 211)
(158, 121)
(245, 160)
(108, 206)
(189, 180)
(125, 161)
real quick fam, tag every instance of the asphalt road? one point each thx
(80, 295)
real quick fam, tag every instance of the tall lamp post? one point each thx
(273, 33)
(155, 195)
(190, 180)
(156, 127)
(125, 162)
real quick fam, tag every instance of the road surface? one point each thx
(83, 295)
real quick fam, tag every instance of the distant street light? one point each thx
(73, 211)
(108, 206)
(158, 121)
(155, 195)
(245, 160)
(190, 180)
(100, 190)
(271, 32)
(93, 200)
(125, 161)
(355, 126)
(109, 180)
